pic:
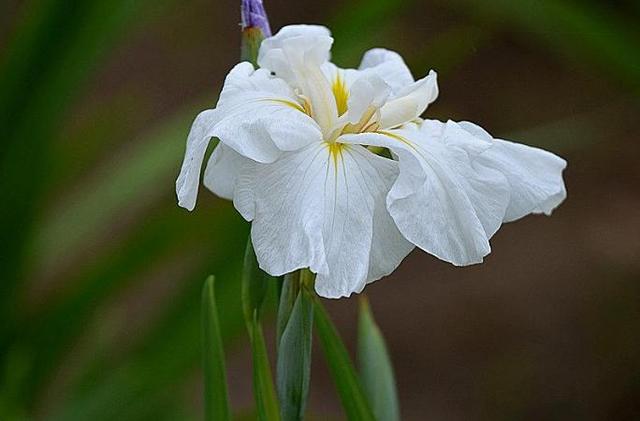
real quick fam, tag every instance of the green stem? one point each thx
(251, 39)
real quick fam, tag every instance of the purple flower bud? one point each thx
(254, 16)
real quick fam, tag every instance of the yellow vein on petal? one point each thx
(287, 103)
(341, 93)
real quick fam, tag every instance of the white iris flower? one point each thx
(297, 155)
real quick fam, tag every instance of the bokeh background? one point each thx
(101, 272)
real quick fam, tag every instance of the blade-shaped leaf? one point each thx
(344, 375)
(294, 358)
(255, 285)
(155, 373)
(216, 401)
(36, 88)
(265, 395)
(288, 296)
(161, 235)
(375, 367)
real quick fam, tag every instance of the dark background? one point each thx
(101, 271)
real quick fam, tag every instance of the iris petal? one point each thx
(323, 207)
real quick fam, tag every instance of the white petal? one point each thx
(433, 204)
(359, 201)
(534, 175)
(333, 72)
(287, 211)
(487, 188)
(311, 41)
(368, 90)
(389, 65)
(476, 130)
(197, 142)
(223, 169)
(388, 246)
(260, 116)
(410, 102)
(355, 240)
(296, 54)
(315, 208)
(456, 135)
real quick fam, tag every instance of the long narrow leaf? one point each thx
(344, 375)
(288, 296)
(35, 89)
(156, 239)
(375, 366)
(254, 290)
(294, 359)
(216, 401)
(265, 395)
(255, 285)
(156, 372)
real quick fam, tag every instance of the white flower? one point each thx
(296, 156)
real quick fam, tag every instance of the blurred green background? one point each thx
(101, 271)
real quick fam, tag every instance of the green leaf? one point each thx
(163, 234)
(36, 88)
(344, 375)
(288, 296)
(265, 395)
(216, 401)
(294, 358)
(155, 373)
(158, 370)
(255, 285)
(375, 366)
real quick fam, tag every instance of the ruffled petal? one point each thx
(296, 54)
(197, 142)
(486, 187)
(260, 116)
(323, 208)
(223, 169)
(388, 246)
(389, 65)
(362, 242)
(287, 198)
(310, 43)
(441, 202)
(534, 175)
